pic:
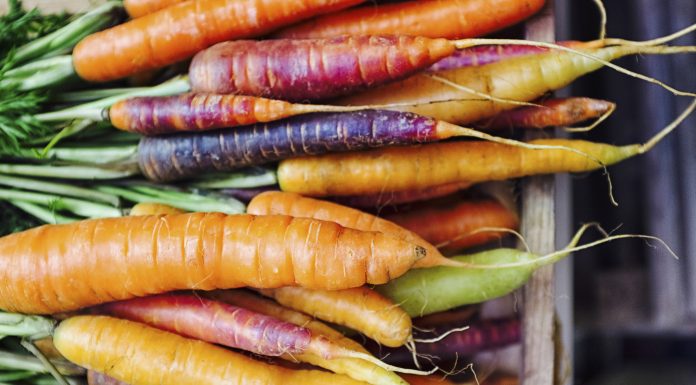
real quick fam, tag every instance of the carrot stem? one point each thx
(79, 207)
(58, 188)
(20, 325)
(42, 213)
(50, 368)
(184, 201)
(69, 171)
(248, 178)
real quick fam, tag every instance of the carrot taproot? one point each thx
(452, 19)
(312, 69)
(394, 198)
(142, 355)
(173, 157)
(138, 8)
(179, 31)
(521, 79)
(452, 226)
(360, 308)
(486, 54)
(148, 208)
(283, 203)
(479, 336)
(549, 113)
(358, 369)
(371, 172)
(57, 268)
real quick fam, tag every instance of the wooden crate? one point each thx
(539, 202)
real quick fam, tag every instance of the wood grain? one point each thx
(538, 225)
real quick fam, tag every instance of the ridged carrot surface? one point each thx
(393, 198)
(58, 268)
(451, 19)
(177, 32)
(141, 355)
(312, 69)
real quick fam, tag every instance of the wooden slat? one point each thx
(538, 228)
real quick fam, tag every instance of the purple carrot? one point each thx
(173, 157)
(212, 321)
(479, 337)
(96, 378)
(486, 54)
(247, 194)
(312, 69)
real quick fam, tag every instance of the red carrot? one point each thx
(393, 198)
(313, 69)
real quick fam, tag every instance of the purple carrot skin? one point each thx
(552, 112)
(174, 157)
(200, 112)
(480, 336)
(96, 378)
(312, 69)
(247, 194)
(393, 198)
(192, 316)
(486, 54)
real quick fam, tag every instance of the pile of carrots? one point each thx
(362, 105)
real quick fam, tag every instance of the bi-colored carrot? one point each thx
(452, 226)
(283, 203)
(57, 268)
(312, 69)
(521, 79)
(141, 355)
(358, 369)
(96, 378)
(549, 113)
(138, 8)
(147, 208)
(174, 157)
(478, 337)
(372, 172)
(361, 309)
(179, 31)
(394, 198)
(452, 19)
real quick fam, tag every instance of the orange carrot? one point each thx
(449, 225)
(361, 309)
(179, 31)
(393, 198)
(141, 355)
(282, 203)
(57, 268)
(147, 208)
(451, 19)
(138, 8)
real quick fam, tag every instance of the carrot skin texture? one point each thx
(96, 378)
(450, 19)
(481, 336)
(393, 198)
(142, 355)
(174, 157)
(148, 208)
(312, 69)
(372, 172)
(553, 112)
(195, 112)
(449, 223)
(282, 203)
(212, 321)
(177, 32)
(523, 78)
(138, 8)
(147, 255)
(360, 308)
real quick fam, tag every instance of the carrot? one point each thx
(167, 158)
(451, 225)
(450, 19)
(312, 69)
(96, 378)
(394, 198)
(486, 54)
(521, 79)
(138, 8)
(460, 314)
(148, 208)
(447, 346)
(57, 268)
(179, 31)
(372, 172)
(141, 355)
(358, 369)
(549, 113)
(282, 203)
(359, 308)
(422, 380)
